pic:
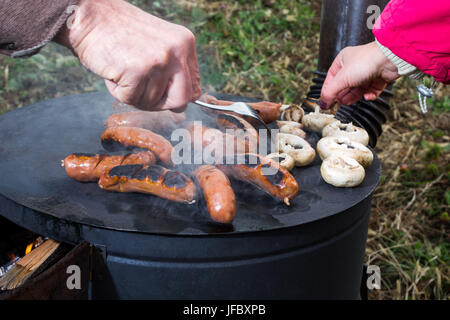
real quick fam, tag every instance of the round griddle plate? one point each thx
(36, 138)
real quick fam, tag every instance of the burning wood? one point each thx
(36, 243)
(29, 265)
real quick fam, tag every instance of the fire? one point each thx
(29, 248)
(36, 243)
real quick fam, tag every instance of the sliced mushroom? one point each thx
(296, 147)
(342, 171)
(283, 159)
(347, 130)
(329, 146)
(291, 112)
(312, 104)
(291, 127)
(316, 121)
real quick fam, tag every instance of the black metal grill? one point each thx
(147, 239)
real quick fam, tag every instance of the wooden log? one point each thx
(28, 266)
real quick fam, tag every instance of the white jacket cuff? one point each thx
(404, 68)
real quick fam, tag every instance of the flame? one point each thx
(36, 243)
(29, 248)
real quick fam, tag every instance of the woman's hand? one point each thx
(362, 71)
(146, 62)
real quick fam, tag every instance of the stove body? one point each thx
(317, 260)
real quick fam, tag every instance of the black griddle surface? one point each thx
(35, 139)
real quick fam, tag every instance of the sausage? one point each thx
(89, 167)
(242, 129)
(264, 173)
(126, 138)
(154, 179)
(219, 196)
(216, 141)
(268, 111)
(158, 121)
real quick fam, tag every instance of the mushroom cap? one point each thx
(292, 112)
(287, 162)
(298, 148)
(347, 130)
(291, 127)
(316, 121)
(342, 171)
(343, 146)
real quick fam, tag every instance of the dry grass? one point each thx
(408, 235)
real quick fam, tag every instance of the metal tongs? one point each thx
(240, 108)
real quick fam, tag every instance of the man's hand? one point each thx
(362, 71)
(146, 62)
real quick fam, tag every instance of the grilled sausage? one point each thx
(219, 196)
(264, 173)
(216, 141)
(268, 111)
(120, 138)
(242, 129)
(154, 179)
(89, 167)
(159, 121)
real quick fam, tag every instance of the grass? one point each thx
(51, 73)
(268, 49)
(408, 235)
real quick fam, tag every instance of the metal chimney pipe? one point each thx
(348, 23)
(345, 23)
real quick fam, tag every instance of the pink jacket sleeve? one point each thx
(418, 31)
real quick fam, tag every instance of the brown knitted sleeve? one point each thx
(28, 25)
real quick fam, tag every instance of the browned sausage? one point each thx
(219, 196)
(268, 111)
(264, 173)
(89, 167)
(241, 128)
(154, 179)
(216, 141)
(119, 138)
(159, 121)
